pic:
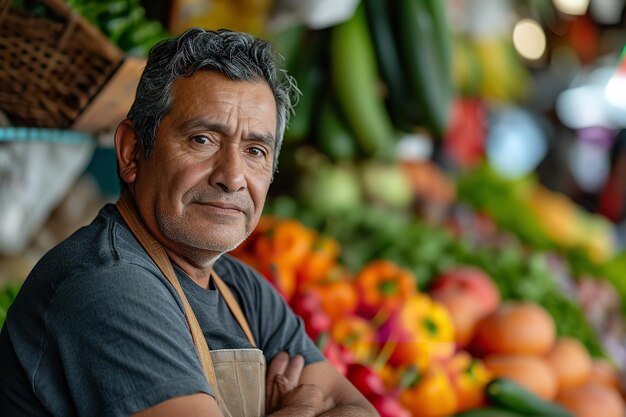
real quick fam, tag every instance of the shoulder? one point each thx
(95, 270)
(103, 244)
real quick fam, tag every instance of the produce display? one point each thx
(455, 347)
(383, 73)
(437, 286)
(394, 69)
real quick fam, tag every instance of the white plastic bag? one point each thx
(34, 177)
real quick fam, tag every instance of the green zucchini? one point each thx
(506, 393)
(489, 412)
(333, 136)
(443, 35)
(309, 75)
(355, 82)
(428, 77)
(402, 105)
(287, 43)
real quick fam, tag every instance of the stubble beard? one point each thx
(199, 250)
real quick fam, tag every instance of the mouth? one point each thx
(223, 206)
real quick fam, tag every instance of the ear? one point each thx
(128, 151)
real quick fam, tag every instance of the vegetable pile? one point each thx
(437, 347)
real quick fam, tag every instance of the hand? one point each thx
(282, 375)
(305, 400)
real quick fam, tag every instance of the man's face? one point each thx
(205, 185)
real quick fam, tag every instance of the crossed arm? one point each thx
(291, 389)
(316, 390)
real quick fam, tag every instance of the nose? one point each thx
(228, 170)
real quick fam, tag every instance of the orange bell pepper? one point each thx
(383, 286)
(338, 295)
(356, 335)
(431, 396)
(469, 377)
(287, 242)
(319, 261)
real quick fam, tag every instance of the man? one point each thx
(116, 320)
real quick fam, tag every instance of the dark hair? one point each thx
(238, 56)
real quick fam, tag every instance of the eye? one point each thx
(257, 151)
(201, 139)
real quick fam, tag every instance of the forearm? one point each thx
(296, 410)
(339, 411)
(349, 411)
(335, 397)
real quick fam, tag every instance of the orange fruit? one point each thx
(604, 373)
(592, 400)
(570, 361)
(531, 372)
(515, 328)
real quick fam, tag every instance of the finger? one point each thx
(277, 366)
(294, 369)
(279, 391)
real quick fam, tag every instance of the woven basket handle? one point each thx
(63, 9)
(73, 21)
(4, 9)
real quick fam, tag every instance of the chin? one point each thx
(211, 238)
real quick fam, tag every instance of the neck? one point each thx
(199, 272)
(197, 265)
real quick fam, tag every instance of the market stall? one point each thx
(449, 216)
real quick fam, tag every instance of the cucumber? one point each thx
(443, 35)
(333, 136)
(429, 79)
(489, 412)
(355, 82)
(309, 82)
(287, 43)
(402, 105)
(309, 75)
(506, 393)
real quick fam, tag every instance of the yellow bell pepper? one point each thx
(420, 331)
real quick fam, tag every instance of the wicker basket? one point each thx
(51, 68)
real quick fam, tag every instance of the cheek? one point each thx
(258, 186)
(180, 179)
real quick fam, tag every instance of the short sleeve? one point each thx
(123, 343)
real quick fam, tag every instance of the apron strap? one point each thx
(127, 209)
(233, 305)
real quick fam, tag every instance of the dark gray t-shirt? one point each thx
(96, 330)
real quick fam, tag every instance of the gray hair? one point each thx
(238, 56)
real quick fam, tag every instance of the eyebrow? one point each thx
(198, 123)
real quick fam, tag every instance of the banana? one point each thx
(355, 82)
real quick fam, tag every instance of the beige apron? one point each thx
(236, 376)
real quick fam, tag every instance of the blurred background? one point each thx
(435, 137)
